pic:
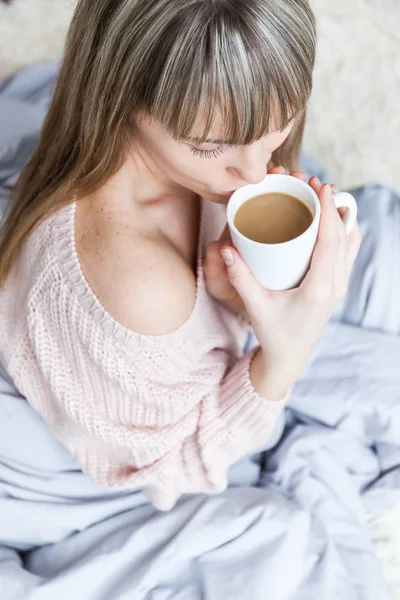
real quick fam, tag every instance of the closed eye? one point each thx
(207, 153)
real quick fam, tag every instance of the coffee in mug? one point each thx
(282, 257)
(273, 218)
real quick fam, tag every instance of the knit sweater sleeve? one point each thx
(140, 420)
(167, 436)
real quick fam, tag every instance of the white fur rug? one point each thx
(353, 125)
(354, 120)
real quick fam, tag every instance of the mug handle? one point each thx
(346, 200)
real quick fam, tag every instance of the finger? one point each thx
(338, 280)
(354, 241)
(215, 271)
(214, 266)
(331, 225)
(241, 278)
(340, 273)
(299, 175)
(277, 171)
(326, 251)
(316, 184)
(216, 277)
(346, 257)
(342, 210)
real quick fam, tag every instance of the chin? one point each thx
(216, 198)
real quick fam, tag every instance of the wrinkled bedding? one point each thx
(292, 523)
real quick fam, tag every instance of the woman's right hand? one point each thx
(288, 324)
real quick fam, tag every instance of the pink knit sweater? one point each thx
(168, 414)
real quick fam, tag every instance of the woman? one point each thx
(117, 324)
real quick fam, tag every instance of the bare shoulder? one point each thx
(140, 280)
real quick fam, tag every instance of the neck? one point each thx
(137, 185)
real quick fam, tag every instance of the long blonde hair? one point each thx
(177, 60)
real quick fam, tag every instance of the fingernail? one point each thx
(335, 189)
(228, 257)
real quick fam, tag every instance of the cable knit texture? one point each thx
(168, 414)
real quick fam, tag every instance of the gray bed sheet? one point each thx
(291, 525)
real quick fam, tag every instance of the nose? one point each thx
(251, 163)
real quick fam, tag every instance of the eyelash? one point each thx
(217, 151)
(207, 153)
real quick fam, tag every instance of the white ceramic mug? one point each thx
(283, 266)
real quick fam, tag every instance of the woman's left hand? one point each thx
(215, 273)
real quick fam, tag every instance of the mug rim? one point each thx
(302, 183)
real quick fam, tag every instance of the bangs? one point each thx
(243, 84)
